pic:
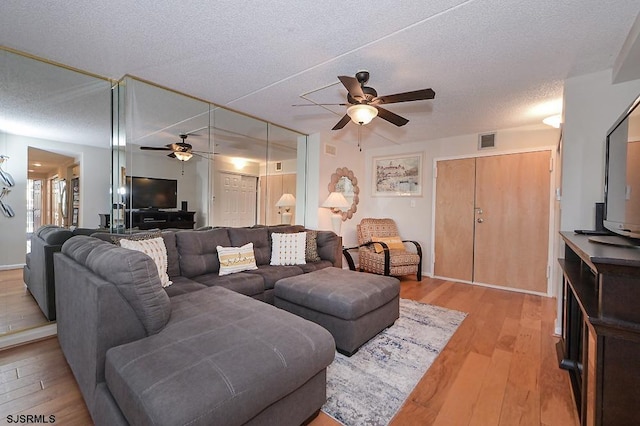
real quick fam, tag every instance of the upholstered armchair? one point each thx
(382, 251)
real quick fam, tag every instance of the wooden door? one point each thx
(271, 189)
(454, 220)
(512, 220)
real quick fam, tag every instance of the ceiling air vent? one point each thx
(486, 141)
(330, 149)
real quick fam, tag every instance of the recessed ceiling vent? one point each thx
(486, 141)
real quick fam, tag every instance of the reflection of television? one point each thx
(622, 174)
(151, 193)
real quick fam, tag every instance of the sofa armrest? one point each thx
(92, 318)
(329, 247)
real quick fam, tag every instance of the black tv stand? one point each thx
(614, 240)
(152, 219)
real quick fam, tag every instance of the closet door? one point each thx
(235, 202)
(512, 220)
(454, 220)
(492, 220)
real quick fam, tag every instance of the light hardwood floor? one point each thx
(18, 310)
(499, 368)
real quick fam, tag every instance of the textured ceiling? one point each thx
(493, 63)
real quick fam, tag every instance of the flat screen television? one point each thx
(622, 175)
(151, 193)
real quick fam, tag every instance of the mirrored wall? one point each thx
(215, 166)
(55, 139)
(77, 147)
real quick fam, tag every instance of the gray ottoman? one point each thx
(353, 306)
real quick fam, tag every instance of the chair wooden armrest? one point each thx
(385, 249)
(419, 252)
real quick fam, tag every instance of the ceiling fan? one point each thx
(364, 102)
(182, 150)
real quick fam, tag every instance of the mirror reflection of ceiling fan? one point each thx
(182, 150)
(364, 102)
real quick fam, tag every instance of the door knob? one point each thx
(480, 220)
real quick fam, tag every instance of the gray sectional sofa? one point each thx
(202, 351)
(38, 270)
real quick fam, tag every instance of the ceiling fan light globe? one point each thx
(362, 113)
(183, 156)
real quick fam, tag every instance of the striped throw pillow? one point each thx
(236, 259)
(156, 250)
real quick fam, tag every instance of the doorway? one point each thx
(235, 200)
(492, 218)
(49, 176)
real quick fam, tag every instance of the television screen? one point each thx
(154, 193)
(622, 174)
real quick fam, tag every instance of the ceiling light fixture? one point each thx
(362, 113)
(183, 156)
(553, 121)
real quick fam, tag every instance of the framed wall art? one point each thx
(397, 175)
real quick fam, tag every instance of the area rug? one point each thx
(370, 387)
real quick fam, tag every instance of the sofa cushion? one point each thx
(54, 235)
(241, 282)
(222, 359)
(315, 266)
(183, 285)
(169, 237)
(271, 273)
(258, 236)
(197, 250)
(132, 272)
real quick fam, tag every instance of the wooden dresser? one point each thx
(600, 344)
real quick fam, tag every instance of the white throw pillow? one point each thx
(288, 249)
(236, 259)
(156, 250)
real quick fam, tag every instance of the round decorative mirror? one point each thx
(345, 182)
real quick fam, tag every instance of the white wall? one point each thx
(95, 178)
(413, 222)
(591, 104)
(347, 155)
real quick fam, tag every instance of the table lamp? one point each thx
(336, 202)
(287, 201)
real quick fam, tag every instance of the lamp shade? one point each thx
(287, 200)
(362, 113)
(336, 200)
(183, 156)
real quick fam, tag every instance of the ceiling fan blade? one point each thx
(155, 148)
(296, 105)
(353, 86)
(343, 122)
(391, 117)
(416, 95)
(172, 155)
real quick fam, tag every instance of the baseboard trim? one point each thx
(9, 267)
(497, 287)
(28, 336)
